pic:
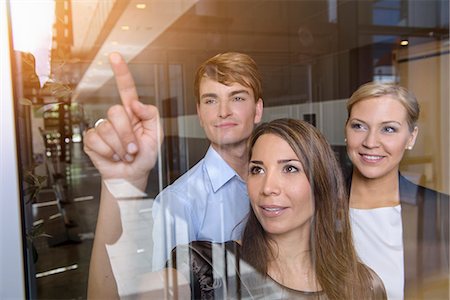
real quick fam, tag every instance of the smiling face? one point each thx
(377, 135)
(227, 113)
(278, 188)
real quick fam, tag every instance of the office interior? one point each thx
(312, 55)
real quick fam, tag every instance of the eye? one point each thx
(238, 98)
(358, 126)
(290, 169)
(389, 129)
(253, 170)
(209, 101)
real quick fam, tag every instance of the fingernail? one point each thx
(128, 157)
(132, 148)
(116, 157)
(114, 57)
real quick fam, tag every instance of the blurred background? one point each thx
(312, 56)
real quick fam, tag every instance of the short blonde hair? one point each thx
(376, 89)
(228, 68)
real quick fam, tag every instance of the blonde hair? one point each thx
(228, 68)
(399, 93)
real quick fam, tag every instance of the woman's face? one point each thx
(279, 190)
(377, 135)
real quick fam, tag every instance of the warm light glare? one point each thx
(32, 26)
(141, 6)
(125, 27)
(404, 43)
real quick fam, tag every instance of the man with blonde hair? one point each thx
(210, 201)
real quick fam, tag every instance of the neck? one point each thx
(236, 156)
(291, 244)
(292, 265)
(369, 193)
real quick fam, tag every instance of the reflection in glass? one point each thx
(312, 55)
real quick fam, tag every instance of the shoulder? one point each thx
(193, 174)
(412, 193)
(192, 180)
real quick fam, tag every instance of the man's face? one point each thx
(227, 113)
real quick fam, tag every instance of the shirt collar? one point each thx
(218, 170)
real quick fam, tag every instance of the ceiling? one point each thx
(187, 31)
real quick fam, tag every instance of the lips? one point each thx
(272, 210)
(371, 158)
(225, 125)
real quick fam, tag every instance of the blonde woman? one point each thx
(400, 229)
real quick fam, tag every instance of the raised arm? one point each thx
(123, 146)
(126, 143)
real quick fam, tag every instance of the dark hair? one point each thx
(333, 254)
(227, 68)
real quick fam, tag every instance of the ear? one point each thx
(259, 111)
(412, 138)
(199, 115)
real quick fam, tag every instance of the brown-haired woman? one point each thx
(297, 242)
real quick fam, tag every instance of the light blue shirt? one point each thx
(208, 203)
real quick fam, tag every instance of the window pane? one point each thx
(312, 55)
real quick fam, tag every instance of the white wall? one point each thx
(12, 284)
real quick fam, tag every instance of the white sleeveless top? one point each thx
(377, 235)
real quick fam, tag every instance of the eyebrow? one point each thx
(233, 93)
(209, 95)
(281, 161)
(385, 122)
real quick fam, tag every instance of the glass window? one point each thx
(312, 55)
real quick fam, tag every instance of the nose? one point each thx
(224, 109)
(371, 139)
(271, 184)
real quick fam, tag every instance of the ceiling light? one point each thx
(404, 43)
(141, 6)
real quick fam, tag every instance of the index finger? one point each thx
(125, 83)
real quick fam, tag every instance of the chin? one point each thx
(273, 230)
(371, 174)
(227, 141)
